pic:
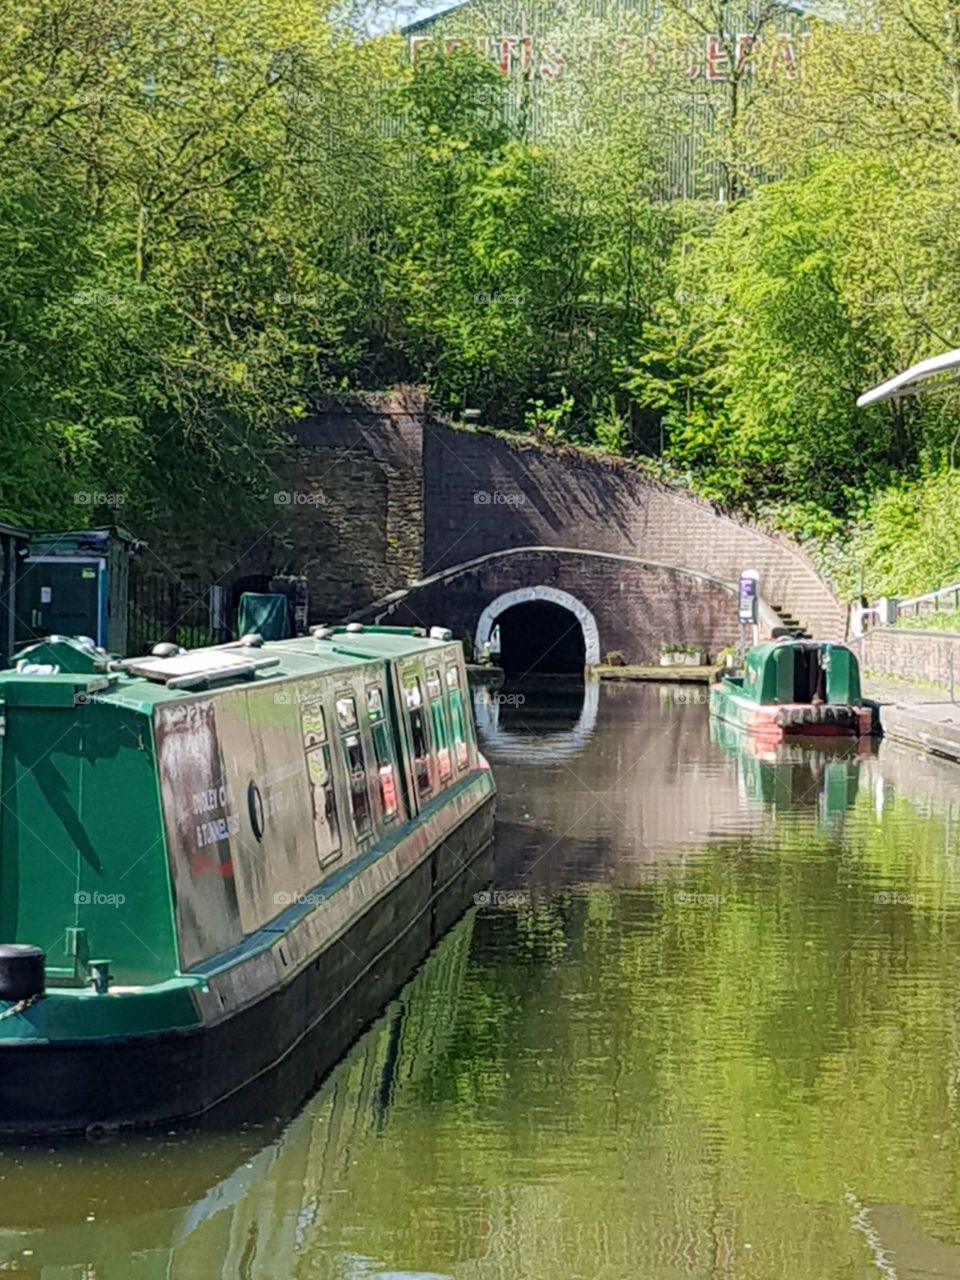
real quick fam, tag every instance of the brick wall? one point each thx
(484, 493)
(637, 608)
(375, 497)
(911, 655)
(344, 508)
(364, 536)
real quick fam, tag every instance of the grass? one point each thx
(945, 620)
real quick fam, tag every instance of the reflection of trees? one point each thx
(641, 1084)
(617, 1082)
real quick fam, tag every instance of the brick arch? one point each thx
(636, 604)
(552, 595)
(396, 496)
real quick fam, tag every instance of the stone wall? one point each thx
(930, 656)
(343, 508)
(363, 537)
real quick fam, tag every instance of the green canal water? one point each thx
(707, 1023)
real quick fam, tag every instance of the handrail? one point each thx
(916, 601)
(887, 610)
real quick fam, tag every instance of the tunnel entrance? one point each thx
(538, 637)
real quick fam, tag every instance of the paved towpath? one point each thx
(919, 715)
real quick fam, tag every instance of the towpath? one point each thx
(921, 715)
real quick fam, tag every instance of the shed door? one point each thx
(59, 597)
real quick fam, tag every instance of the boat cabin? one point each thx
(801, 672)
(239, 785)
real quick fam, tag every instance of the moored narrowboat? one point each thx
(208, 856)
(792, 687)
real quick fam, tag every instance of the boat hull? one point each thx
(78, 1086)
(772, 722)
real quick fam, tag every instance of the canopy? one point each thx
(265, 614)
(946, 367)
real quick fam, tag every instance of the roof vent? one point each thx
(165, 650)
(252, 640)
(354, 627)
(441, 633)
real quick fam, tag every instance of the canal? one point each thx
(706, 1023)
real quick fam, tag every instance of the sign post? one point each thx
(749, 601)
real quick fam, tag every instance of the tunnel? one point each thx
(538, 637)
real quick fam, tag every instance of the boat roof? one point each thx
(66, 540)
(945, 368)
(766, 648)
(54, 670)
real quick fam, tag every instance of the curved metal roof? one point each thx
(945, 368)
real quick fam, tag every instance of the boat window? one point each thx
(375, 703)
(441, 731)
(325, 822)
(347, 713)
(386, 769)
(359, 791)
(455, 699)
(419, 734)
(313, 726)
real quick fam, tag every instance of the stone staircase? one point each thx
(788, 620)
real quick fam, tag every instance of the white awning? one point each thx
(946, 366)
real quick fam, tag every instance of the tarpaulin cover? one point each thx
(267, 615)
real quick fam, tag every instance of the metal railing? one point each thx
(885, 611)
(185, 611)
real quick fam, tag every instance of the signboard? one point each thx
(712, 57)
(749, 596)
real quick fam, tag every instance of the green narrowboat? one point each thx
(793, 687)
(207, 856)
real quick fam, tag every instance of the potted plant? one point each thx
(681, 655)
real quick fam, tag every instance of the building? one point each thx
(697, 62)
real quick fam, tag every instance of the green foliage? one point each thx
(210, 219)
(754, 361)
(611, 428)
(909, 541)
(946, 620)
(517, 269)
(174, 294)
(548, 421)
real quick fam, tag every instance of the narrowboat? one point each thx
(792, 687)
(208, 856)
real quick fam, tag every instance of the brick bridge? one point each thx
(396, 517)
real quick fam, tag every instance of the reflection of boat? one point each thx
(221, 851)
(817, 775)
(237, 1204)
(794, 687)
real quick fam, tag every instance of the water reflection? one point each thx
(717, 1034)
(817, 775)
(537, 721)
(240, 1204)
